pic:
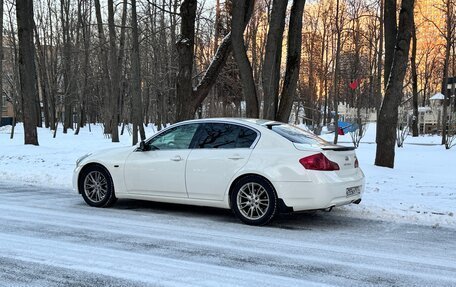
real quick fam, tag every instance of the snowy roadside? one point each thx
(420, 189)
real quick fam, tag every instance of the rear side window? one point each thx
(220, 135)
(298, 135)
(246, 137)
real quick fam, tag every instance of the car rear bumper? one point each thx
(320, 194)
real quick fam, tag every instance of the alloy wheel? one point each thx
(253, 200)
(95, 186)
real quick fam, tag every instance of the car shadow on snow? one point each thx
(288, 221)
(171, 209)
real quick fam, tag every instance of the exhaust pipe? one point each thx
(329, 208)
(357, 201)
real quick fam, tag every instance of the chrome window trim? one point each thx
(204, 121)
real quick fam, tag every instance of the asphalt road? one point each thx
(49, 237)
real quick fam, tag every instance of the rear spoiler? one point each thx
(338, 148)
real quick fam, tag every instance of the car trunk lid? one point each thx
(344, 156)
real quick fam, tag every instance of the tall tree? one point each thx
(272, 59)
(103, 59)
(378, 81)
(338, 31)
(137, 114)
(387, 120)
(43, 83)
(242, 10)
(84, 17)
(120, 60)
(24, 14)
(414, 83)
(68, 75)
(293, 61)
(1, 59)
(115, 75)
(449, 30)
(185, 49)
(390, 31)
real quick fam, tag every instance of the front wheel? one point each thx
(254, 200)
(96, 187)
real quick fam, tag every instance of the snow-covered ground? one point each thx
(420, 189)
(50, 237)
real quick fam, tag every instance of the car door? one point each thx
(160, 171)
(220, 151)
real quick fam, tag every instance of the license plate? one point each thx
(351, 191)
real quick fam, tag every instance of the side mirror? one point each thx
(143, 146)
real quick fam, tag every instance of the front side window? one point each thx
(179, 137)
(221, 135)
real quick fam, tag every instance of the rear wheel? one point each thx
(96, 187)
(254, 200)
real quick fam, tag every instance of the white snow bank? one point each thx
(420, 188)
(52, 162)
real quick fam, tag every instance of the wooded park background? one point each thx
(73, 62)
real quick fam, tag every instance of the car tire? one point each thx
(96, 187)
(254, 200)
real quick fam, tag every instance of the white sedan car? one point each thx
(257, 168)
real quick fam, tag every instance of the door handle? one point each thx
(235, 157)
(176, 158)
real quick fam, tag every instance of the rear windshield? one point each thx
(297, 135)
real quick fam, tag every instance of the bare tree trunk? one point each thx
(414, 84)
(1, 60)
(217, 25)
(390, 31)
(115, 75)
(24, 14)
(448, 38)
(103, 56)
(43, 79)
(272, 59)
(120, 62)
(185, 49)
(46, 62)
(67, 74)
(325, 79)
(210, 76)
(293, 61)
(322, 91)
(172, 62)
(378, 83)
(137, 114)
(243, 10)
(387, 121)
(84, 18)
(336, 73)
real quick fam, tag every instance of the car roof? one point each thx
(246, 121)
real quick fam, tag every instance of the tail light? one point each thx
(356, 162)
(318, 162)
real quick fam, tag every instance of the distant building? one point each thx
(6, 107)
(430, 117)
(7, 112)
(350, 114)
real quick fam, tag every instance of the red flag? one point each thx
(340, 132)
(353, 85)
